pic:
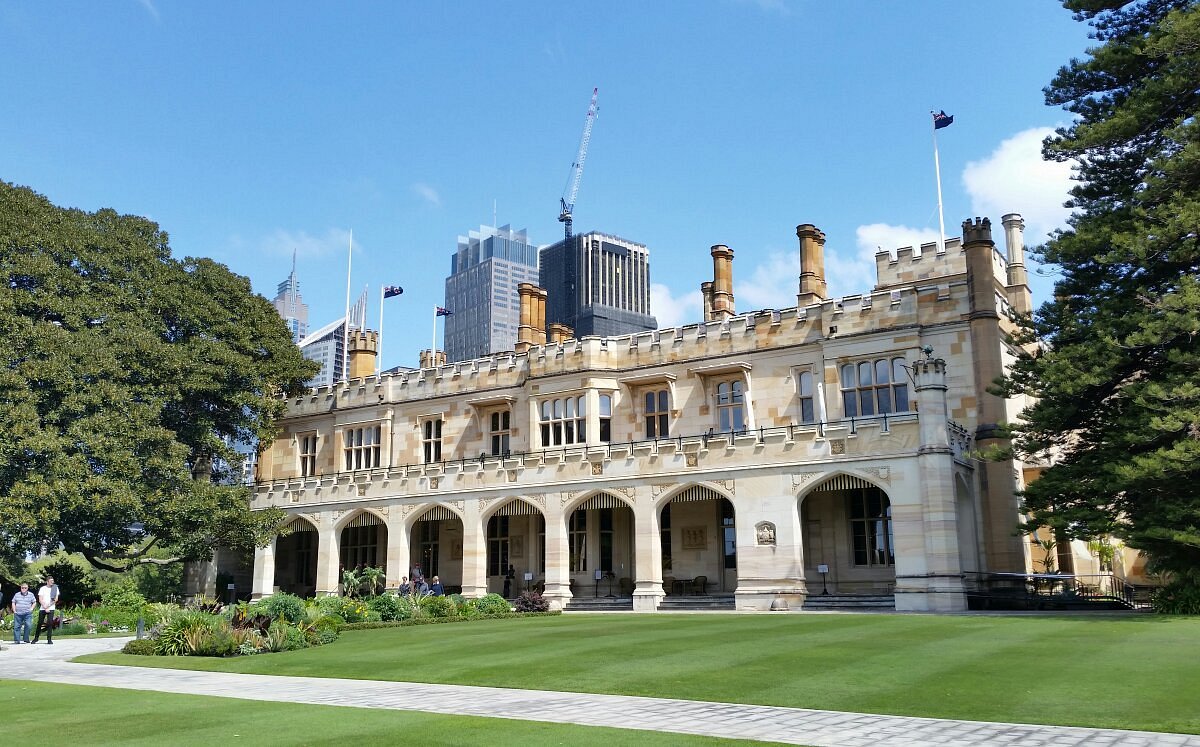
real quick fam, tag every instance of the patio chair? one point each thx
(700, 585)
(668, 585)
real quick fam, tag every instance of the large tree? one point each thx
(126, 378)
(1116, 375)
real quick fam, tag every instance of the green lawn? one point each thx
(101, 716)
(1120, 671)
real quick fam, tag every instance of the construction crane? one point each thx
(566, 215)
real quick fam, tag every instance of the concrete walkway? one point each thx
(789, 725)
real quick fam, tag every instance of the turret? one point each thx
(812, 265)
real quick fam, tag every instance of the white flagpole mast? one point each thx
(346, 322)
(379, 342)
(937, 168)
(433, 341)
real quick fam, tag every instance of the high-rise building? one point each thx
(481, 291)
(597, 284)
(327, 345)
(291, 307)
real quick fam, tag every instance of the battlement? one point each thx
(979, 229)
(910, 265)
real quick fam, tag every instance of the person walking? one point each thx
(22, 609)
(47, 604)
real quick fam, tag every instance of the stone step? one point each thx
(600, 604)
(849, 601)
(677, 603)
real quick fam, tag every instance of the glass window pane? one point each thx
(581, 406)
(649, 401)
(806, 411)
(662, 401)
(850, 403)
(901, 392)
(864, 374)
(848, 376)
(898, 372)
(605, 405)
(882, 369)
(866, 404)
(806, 384)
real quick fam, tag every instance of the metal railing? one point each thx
(1055, 591)
(580, 451)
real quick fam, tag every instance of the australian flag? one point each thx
(392, 290)
(942, 119)
(443, 312)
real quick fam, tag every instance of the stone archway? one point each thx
(362, 543)
(515, 552)
(698, 535)
(601, 537)
(436, 546)
(847, 529)
(296, 558)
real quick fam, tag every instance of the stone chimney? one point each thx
(812, 265)
(721, 293)
(560, 333)
(531, 329)
(438, 358)
(363, 350)
(1019, 295)
(706, 294)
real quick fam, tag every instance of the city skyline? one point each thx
(719, 123)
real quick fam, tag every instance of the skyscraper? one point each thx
(291, 307)
(482, 291)
(597, 284)
(327, 345)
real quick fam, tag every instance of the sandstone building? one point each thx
(766, 456)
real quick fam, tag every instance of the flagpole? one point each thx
(379, 342)
(433, 341)
(346, 322)
(937, 168)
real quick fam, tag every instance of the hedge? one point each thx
(438, 620)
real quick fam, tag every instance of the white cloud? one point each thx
(282, 242)
(672, 311)
(149, 6)
(771, 284)
(427, 193)
(1015, 179)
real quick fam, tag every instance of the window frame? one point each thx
(562, 421)
(876, 384)
(431, 439)
(874, 527)
(362, 447)
(307, 446)
(729, 403)
(500, 431)
(656, 413)
(806, 395)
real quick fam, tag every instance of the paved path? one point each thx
(767, 723)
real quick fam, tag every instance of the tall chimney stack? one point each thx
(722, 285)
(1019, 295)
(812, 265)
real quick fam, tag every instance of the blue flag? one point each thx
(942, 119)
(392, 290)
(443, 312)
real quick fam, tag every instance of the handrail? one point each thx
(1062, 587)
(789, 431)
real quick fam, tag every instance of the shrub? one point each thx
(218, 642)
(327, 628)
(286, 607)
(244, 636)
(173, 636)
(492, 604)
(439, 607)
(277, 638)
(389, 607)
(296, 639)
(160, 612)
(1177, 598)
(123, 596)
(247, 649)
(458, 599)
(140, 647)
(75, 627)
(531, 601)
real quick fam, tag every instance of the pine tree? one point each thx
(1116, 372)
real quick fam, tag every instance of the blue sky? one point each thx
(248, 130)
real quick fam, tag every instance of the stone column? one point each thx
(264, 571)
(591, 423)
(328, 559)
(474, 567)
(940, 588)
(558, 561)
(648, 590)
(397, 549)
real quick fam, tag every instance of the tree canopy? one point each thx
(1116, 372)
(126, 375)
